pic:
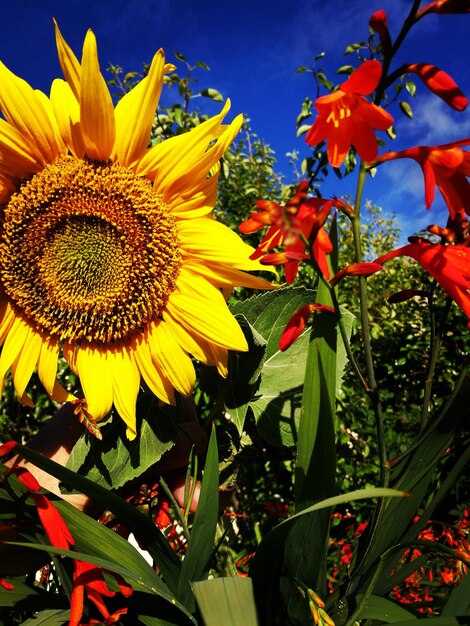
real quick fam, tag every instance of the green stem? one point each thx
(178, 511)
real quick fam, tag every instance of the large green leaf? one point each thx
(244, 369)
(51, 617)
(226, 601)
(267, 564)
(270, 311)
(383, 609)
(201, 541)
(114, 460)
(26, 596)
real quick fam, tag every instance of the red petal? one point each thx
(440, 83)
(53, 522)
(7, 447)
(365, 79)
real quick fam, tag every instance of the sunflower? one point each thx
(108, 251)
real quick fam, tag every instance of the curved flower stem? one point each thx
(435, 345)
(365, 326)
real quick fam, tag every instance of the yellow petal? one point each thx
(17, 154)
(68, 62)
(25, 363)
(207, 239)
(67, 113)
(90, 363)
(156, 381)
(46, 103)
(14, 343)
(201, 309)
(7, 187)
(135, 113)
(222, 276)
(7, 317)
(163, 161)
(171, 358)
(96, 107)
(47, 370)
(196, 201)
(23, 109)
(126, 381)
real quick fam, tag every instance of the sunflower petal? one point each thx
(201, 309)
(157, 383)
(90, 363)
(17, 158)
(68, 62)
(67, 113)
(125, 381)
(135, 113)
(23, 109)
(23, 366)
(96, 107)
(171, 358)
(14, 344)
(47, 370)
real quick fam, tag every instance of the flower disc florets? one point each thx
(89, 250)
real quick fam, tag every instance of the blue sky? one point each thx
(253, 49)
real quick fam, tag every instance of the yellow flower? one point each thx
(108, 251)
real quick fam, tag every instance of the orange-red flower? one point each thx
(301, 219)
(444, 6)
(346, 118)
(379, 23)
(449, 266)
(446, 167)
(88, 578)
(296, 325)
(440, 83)
(52, 521)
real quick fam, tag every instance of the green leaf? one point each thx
(203, 65)
(201, 541)
(51, 617)
(244, 369)
(180, 56)
(34, 597)
(213, 94)
(115, 460)
(227, 601)
(383, 609)
(406, 109)
(345, 69)
(410, 87)
(268, 562)
(277, 406)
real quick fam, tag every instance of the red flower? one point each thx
(6, 448)
(440, 83)
(300, 219)
(6, 585)
(449, 265)
(52, 521)
(356, 269)
(346, 118)
(444, 6)
(296, 325)
(379, 24)
(88, 578)
(446, 167)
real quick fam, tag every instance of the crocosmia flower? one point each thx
(440, 83)
(346, 118)
(108, 252)
(301, 219)
(448, 265)
(445, 167)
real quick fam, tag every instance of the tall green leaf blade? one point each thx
(382, 609)
(458, 602)
(226, 601)
(201, 542)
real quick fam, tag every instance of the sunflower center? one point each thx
(89, 251)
